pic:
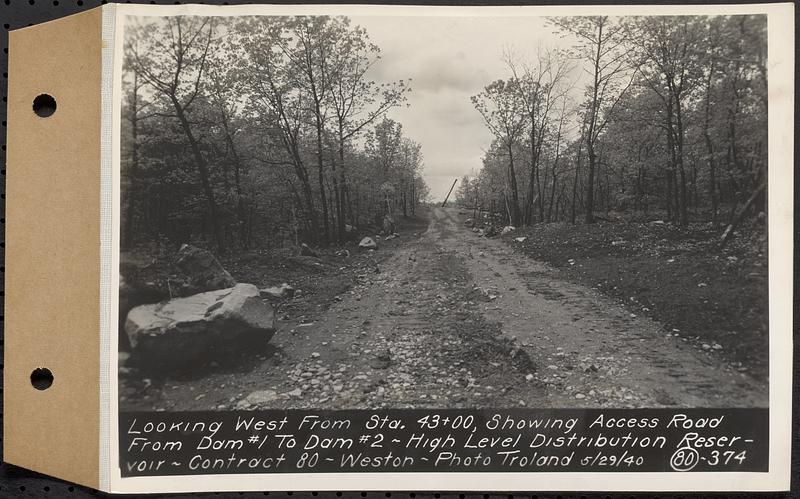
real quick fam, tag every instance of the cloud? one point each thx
(448, 59)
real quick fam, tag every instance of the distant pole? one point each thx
(448, 193)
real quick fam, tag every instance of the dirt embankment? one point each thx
(679, 276)
(441, 317)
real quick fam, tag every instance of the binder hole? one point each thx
(41, 378)
(44, 105)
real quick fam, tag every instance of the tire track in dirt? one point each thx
(453, 320)
(406, 335)
(591, 351)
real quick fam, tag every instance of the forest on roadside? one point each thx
(650, 117)
(242, 132)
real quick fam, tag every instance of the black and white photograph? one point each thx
(429, 240)
(364, 212)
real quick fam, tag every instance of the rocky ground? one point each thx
(440, 317)
(714, 298)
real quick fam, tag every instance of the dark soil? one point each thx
(679, 276)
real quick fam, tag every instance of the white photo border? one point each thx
(780, 229)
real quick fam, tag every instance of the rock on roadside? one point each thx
(131, 296)
(368, 243)
(277, 292)
(185, 332)
(259, 398)
(200, 272)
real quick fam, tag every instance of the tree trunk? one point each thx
(342, 203)
(738, 218)
(205, 180)
(589, 216)
(321, 180)
(513, 181)
(575, 183)
(679, 156)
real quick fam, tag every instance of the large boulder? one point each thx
(368, 243)
(133, 294)
(198, 272)
(142, 280)
(186, 332)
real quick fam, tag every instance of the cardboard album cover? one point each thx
(309, 247)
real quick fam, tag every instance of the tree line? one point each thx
(658, 115)
(256, 131)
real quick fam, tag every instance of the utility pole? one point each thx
(448, 193)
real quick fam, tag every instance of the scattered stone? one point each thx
(382, 360)
(343, 253)
(507, 229)
(706, 346)
(258, 398)
(277, 292)
(520, 239)
(529, 377)
(580, 396)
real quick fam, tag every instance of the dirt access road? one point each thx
(451, 319)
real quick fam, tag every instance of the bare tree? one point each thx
(277, 104)
(542, 84)
(358, 101)
(500, 104)
(669, 63)
(173, 62)
(601, 44)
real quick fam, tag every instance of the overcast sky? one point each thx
(449, 59)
